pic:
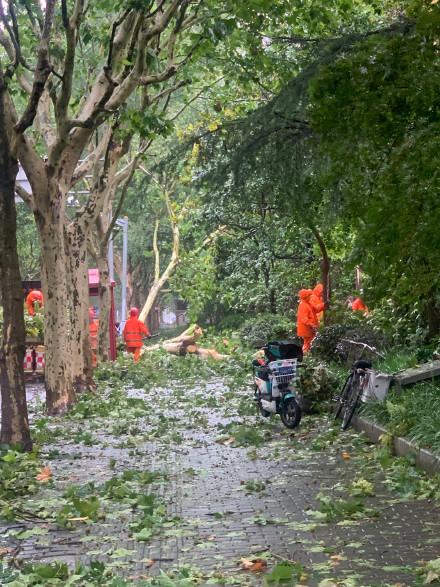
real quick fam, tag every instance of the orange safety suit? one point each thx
(316, 301)
(358, 304)
(134, 331)
(93, 329)
(35, 296)
(307, 321)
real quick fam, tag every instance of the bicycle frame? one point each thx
(355, 383)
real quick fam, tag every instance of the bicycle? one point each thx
(356, 381)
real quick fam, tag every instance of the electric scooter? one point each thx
(274, 380)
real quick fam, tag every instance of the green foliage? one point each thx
(254, 485)
(317, 384)
(368, 103)
(327, 346)
(265, 328)
(17, 478)
(404, 326)
(412, 412)
(243, 435)
(148, 123)
(360, 488)
(284, 572)
(34, 324)
(340, 509)
(58, 573)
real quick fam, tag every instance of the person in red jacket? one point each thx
(134, 332)
(34, 298)
(307, 321)
(93, 328)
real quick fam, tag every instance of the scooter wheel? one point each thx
(291, 414)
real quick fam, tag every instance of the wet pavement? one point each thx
(231, 485)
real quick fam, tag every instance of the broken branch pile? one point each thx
(186, 343)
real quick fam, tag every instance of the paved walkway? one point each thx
(228, 496)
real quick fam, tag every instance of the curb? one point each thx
(401, 446)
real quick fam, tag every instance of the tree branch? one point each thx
(70, 25)
(42, 72)
(88, 163)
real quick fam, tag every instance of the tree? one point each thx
(274, 154)
(94, 72)
(15, 425)
(384, 95)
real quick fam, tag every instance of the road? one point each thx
(233, 486)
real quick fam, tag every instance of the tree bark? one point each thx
(159, 283)
(15, 423)
(58, 370)
(104, 290)
(325, 270)
(82, 366)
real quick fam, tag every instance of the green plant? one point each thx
(326, 344)
(267, 327)
(34, 324)
(337, 509)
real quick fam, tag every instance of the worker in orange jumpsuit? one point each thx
(93, 328)
(134, 332)
(358, 304)
(34, 298)
(307, 325)
(316, 301)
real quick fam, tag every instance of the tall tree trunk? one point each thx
(324, 264)
(15, 423)
(58, 371)
(82, 366)
(159, 283)
(104, 291)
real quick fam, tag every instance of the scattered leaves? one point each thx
(256, 565)
(45, 475)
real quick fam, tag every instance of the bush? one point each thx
(233, 322)
(317, 385)
(325, 344)
(403, 325)
(267, 327)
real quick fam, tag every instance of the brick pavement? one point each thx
(218, 520)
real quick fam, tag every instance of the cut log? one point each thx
(150, 349)
(205, 353)
(175, 348)
(185, 343)
(191, 335)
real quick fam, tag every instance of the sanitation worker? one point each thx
(307, 322)
(35, 298)
(358, 304)
(93, 328)
(134, 331)
(316, 301)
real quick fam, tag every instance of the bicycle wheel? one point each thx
(344, 393)
(352, 400)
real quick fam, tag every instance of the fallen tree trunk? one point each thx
(186, 343)
(206, 353)
(191, 335)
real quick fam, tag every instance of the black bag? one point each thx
(283, 350)
(263, 373)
